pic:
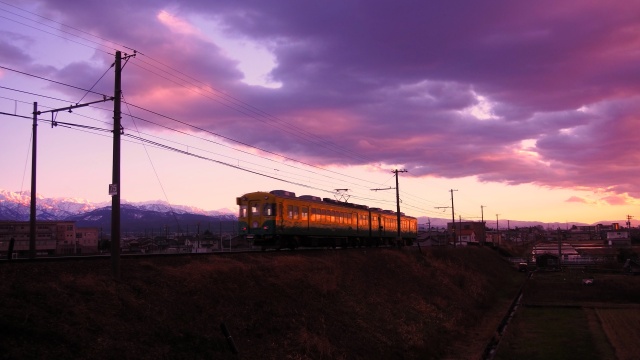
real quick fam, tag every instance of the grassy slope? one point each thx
(361, 304)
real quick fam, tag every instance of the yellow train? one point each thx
(279, 219)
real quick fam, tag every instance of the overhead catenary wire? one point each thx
(62, 124)
(186, 124)
(260, 116)
(208, 140)
(293, 129)
(252, 111)
(62, 24)
(243, 107)
(56, 29)
(141, 140)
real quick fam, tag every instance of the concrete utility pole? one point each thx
(399, 235)
(399, 240)
(453, 219)
(115, 189)
(484, 231)
(460, 228)
(32, 214)
(498, 229)
(446, 207)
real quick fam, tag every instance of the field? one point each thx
(343, 304)
(560, 318)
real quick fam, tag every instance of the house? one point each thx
(467, 237)
(618, 238)
(468, 232)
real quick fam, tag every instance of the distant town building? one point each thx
(618, 238)
(468, 232)
(52, 238)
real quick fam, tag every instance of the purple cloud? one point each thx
(398, 83)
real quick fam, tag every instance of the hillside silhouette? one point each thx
(335, 304)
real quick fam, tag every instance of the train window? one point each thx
(314, 213)
(269, 210)
(290, 211)
(295, 212)
(332, 216)
(243, 211)
(305, 213)
(280, 210)
(323, 214)
(255, 209)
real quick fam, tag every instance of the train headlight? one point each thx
(265, 228)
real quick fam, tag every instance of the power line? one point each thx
(235, 104)
(257, 113)
(62, 24)
(50, 80)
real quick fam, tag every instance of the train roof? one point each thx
(283, 193)
(291, 194)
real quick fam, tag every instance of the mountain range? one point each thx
(145, 217)
(155, 215)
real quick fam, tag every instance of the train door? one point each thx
(280, 216)
(354, 222)
(253, 217)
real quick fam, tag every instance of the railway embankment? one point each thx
(365, 303)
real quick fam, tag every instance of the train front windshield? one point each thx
(258, 216)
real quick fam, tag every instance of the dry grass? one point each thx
(367, 304)
(622, 327)
(561, 318)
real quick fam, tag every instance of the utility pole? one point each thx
(32, 214)
(399, 235)
(115, 189)
(398, 204)
(484, 228)
(460, 228)
(446, 207)
(453, 219)
(498, 229)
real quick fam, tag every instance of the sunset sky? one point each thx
(529, 110)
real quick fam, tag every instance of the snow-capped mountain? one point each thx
(16, 206)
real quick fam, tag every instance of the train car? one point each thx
(279, 219)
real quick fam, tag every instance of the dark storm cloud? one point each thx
(394, 82)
